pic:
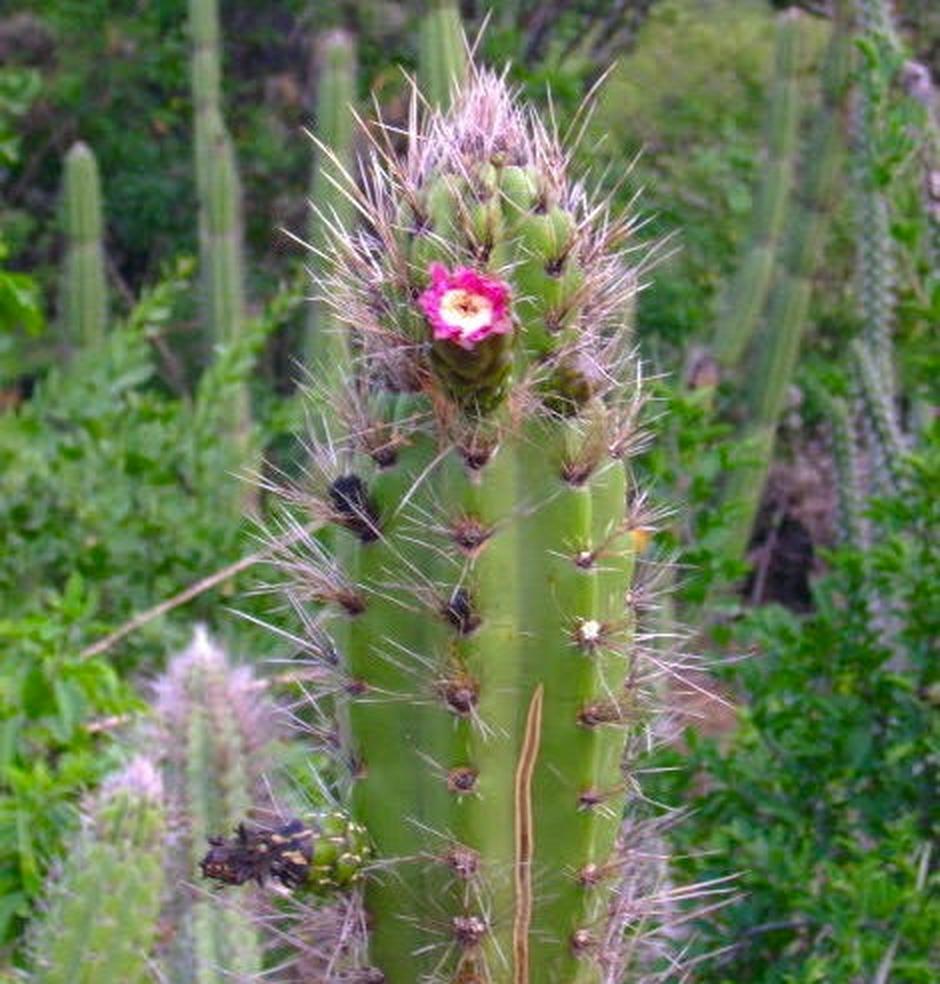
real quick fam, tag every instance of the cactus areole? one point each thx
(486, 681)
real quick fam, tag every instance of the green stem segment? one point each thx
(488, 677)
(327, 340)
(742, 304)
(84, 290)
(778, 345)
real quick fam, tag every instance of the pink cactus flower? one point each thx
(465, 307)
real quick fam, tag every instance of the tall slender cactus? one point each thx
(84, 287)
(100, 923)
(212, 729)
(742, 302)
(217, 183)
(326, 345)
(776, 347)
(442, 55)
(475, 628)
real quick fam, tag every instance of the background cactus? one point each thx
(213, 729)
(84, 287)
(100, 924)
(325, 343)
(742, 302)
(442, 56)
(776, 347)
(474, 620)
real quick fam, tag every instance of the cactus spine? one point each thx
(84, 293)
(742, 303)
(326, 343)
(101, 921)
(442, 56)
(777, 346)
(212, 730)
(474, 619)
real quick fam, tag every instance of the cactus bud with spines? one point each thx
(487, 676)
(101, 921)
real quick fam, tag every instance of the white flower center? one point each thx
(466, 311)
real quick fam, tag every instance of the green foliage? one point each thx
(825, 798)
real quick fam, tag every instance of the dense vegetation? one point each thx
(787, 164)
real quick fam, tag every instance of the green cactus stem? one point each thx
(742, 303)
(326, 345)
(212, 732)
(442, 52)
(84, 288)
(101, 922)
(777, 346)
(885, 438)
(474, 624)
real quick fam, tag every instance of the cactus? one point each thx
(101, 919)
(475, 622)
(875, 260)
(217, 183)
(212, 731)
(882, 431)
(777, 345)
(442, 56)
(325, 344)
(84, 290)
(742, 303)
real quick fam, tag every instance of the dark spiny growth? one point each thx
(283, 854)
(354, 510)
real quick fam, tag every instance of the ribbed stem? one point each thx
(84, 288)
(207, 711)
(488, 695)
(777, 346)
(878, 402)
(101, 921)
(442, 56)
(742, 303)
(327, 344)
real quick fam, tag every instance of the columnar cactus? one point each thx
(475, 621)
(101, 921)
(217, 183)
(777, 346)
(442, 56)
(742, 303)
(212, 728)
(84, 289)
(325, 344)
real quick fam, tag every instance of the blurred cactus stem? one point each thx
(101, 919)
(84, 287)
(875, 270)
(883, 429)
(213, 729)
(442, 54)
(742, 302)
(776, 347)
(218, 190)
(326, 345)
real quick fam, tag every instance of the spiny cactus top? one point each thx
(473, 617)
